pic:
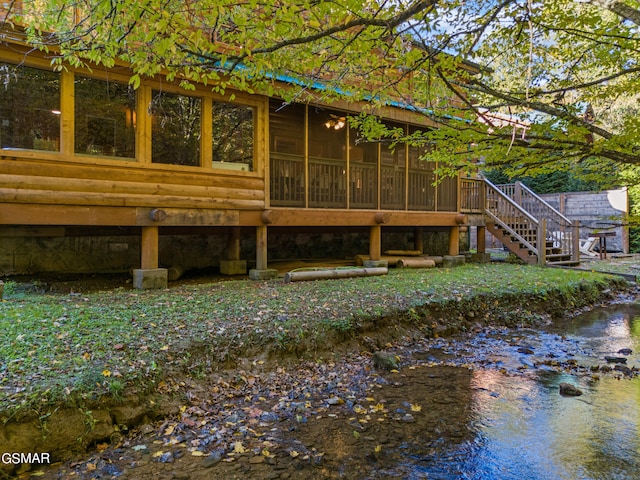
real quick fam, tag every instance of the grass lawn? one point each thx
(73, 347)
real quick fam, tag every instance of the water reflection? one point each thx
(526, 430)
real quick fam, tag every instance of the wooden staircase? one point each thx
(529, 227)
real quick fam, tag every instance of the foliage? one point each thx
(555, 182)
(563, 68)
(70, 347)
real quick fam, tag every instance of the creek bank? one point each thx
(251, 392)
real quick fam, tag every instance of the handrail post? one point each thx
(541, 241)
(576, 242)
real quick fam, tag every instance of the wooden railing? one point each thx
(287, 180)
(472, 195)
(535, 224)
(560, 231)
(513, 218)
(422, 192)
(325, 184)
(363, 185)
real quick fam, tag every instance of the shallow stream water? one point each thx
(484, 406)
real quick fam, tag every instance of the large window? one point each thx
(29, 108)
(175, 129)
(105, 118)
(232, 135)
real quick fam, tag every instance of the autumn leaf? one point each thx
(106, 373)
(293, 453)
(238, 447)
(416, 408)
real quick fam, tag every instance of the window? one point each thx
(29, 108)
(105, 118)
(232, 136)
(175, 129)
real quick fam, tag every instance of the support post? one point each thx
(149, 247)
(418, 240)
(481, 256)
(454, 241)
(149, 276)
(375, 242)
(232, 265)
(481, 234)
(541, 242)
(261, 272)
(375, 249)
(575, 248)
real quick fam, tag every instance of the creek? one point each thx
(480, 406)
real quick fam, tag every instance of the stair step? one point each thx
(559, 255)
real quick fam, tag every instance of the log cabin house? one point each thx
(98, 177)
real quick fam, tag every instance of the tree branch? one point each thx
(619, 8)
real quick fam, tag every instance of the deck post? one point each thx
(375, 242)
(375, 248)
(149, 248)
(418, 239)
(232, 265)
(454, 241)
(481, 239)
(261, 272)
(149, 276)
(541, 241)
(575, 250)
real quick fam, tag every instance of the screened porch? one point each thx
(318, 161)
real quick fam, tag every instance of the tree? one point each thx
(561, 67)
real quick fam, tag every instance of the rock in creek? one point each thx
(569, 390)
(625, 351)
(615, 359)
(385, 361)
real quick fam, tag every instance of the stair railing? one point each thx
(560, 231)
(514, 219)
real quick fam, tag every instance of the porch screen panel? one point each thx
(363, 173)
(422, 191)
(392, 175)
(448, 194)
(104, 118)
(232, 136)
(286, 156)
(175, 129)
(29, 108)
(327, 159)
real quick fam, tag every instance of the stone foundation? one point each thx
(150, 278)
